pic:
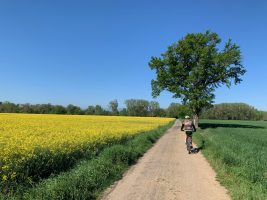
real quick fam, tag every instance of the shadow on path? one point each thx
(197, 149)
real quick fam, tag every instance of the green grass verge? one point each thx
(90, 177)
(237, 150)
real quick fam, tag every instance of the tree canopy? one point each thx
(233, 111)
(113, 105)
(194, 67)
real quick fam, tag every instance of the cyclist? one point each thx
(189, 127)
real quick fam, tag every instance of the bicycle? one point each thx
(189, 145)
(189, 127)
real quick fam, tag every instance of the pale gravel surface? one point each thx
(168, 172)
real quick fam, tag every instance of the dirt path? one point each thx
(168, 172)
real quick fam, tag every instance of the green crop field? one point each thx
(237, 150)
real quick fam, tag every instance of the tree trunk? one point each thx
(195, 118)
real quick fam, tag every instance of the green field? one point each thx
(237, 150)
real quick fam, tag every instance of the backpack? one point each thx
(188, 125)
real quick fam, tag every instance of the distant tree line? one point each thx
(234, 111)
(140, 107)
(134, 107)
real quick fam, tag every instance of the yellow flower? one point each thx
(13, 175)
(5, 167)
(24, 136)
(4, 178)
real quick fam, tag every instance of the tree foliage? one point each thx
(220, 111)
(177, 110)
(235, 111)
(113, 105)
(8, 107)
(99, 110)
(194, 67)
(137, 107)
(154, 108)
(90, 110)
(73, 110)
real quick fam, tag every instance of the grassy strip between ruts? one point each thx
(90, 177)
(237, 150)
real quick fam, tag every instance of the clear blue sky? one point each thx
(93, 51)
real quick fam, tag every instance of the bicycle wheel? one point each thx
(189, 144)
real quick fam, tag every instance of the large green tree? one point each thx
(194, 67)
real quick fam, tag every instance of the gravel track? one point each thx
(168, 172)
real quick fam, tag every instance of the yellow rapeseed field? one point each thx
(23, 137)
